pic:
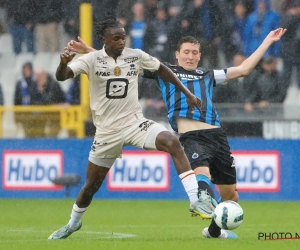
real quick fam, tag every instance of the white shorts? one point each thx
(108, 144)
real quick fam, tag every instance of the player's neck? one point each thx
(113, 54)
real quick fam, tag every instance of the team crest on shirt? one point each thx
(117, 71)
(199, 71)
(195, 156)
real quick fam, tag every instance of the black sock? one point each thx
(202, 185)
(214, 229)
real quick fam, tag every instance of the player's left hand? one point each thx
(192, 102)
(275, 35)
(79, 47)
(67, 57)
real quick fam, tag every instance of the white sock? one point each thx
(76, 215)
(190, 185)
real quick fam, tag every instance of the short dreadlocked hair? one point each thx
(103, 26)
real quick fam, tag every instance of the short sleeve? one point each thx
(148, 74)
(149, 62)
(81, 65)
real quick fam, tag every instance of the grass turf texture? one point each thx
(26, 224)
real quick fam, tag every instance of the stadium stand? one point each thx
(6, 43)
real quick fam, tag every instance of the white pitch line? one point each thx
(100, 235)
(118, 226)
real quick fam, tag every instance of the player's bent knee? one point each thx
(169, 143)
(173, 144)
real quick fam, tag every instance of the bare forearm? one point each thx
(249, 64)
(89, 49)
(63, 72)
(169, 76)
(253, 60)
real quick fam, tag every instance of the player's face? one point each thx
(188, 56)
(114, 40)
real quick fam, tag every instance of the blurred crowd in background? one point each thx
(228, 31)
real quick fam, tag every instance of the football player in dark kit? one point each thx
(204, 141)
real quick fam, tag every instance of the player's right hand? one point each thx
(275, 35)
(66, 57)
(192, 102)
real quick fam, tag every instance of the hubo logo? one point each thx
(257, 170)
(140, 171)
(31, 170)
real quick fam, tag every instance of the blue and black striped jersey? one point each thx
(200, 82)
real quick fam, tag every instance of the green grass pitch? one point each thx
(138, 225)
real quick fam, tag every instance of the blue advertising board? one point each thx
(266, 170)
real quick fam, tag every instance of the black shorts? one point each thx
(209, 147)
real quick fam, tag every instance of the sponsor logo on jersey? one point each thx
(31, 170)
(117, 88)
(132, 73)
(132, 67)
(187, 76)
(99, 73)
(100, 60)
(140, 171)
(131, 59)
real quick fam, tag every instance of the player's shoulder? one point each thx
(89, 56)
(132, 52)
(173, 67)
(98, 53)
(169, 65)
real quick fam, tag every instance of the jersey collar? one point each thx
(105, 54)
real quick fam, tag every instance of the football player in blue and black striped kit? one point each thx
(204, 141)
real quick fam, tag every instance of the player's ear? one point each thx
(176, 54)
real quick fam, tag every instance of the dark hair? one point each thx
(103, 26)
(268, 59)
(28, 65)
(187, 39)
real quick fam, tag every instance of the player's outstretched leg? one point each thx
(227, 192)
(205, 203)
(198, 155)
(94, 179)
(64, 232)
(167, 142)
(206, 194)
